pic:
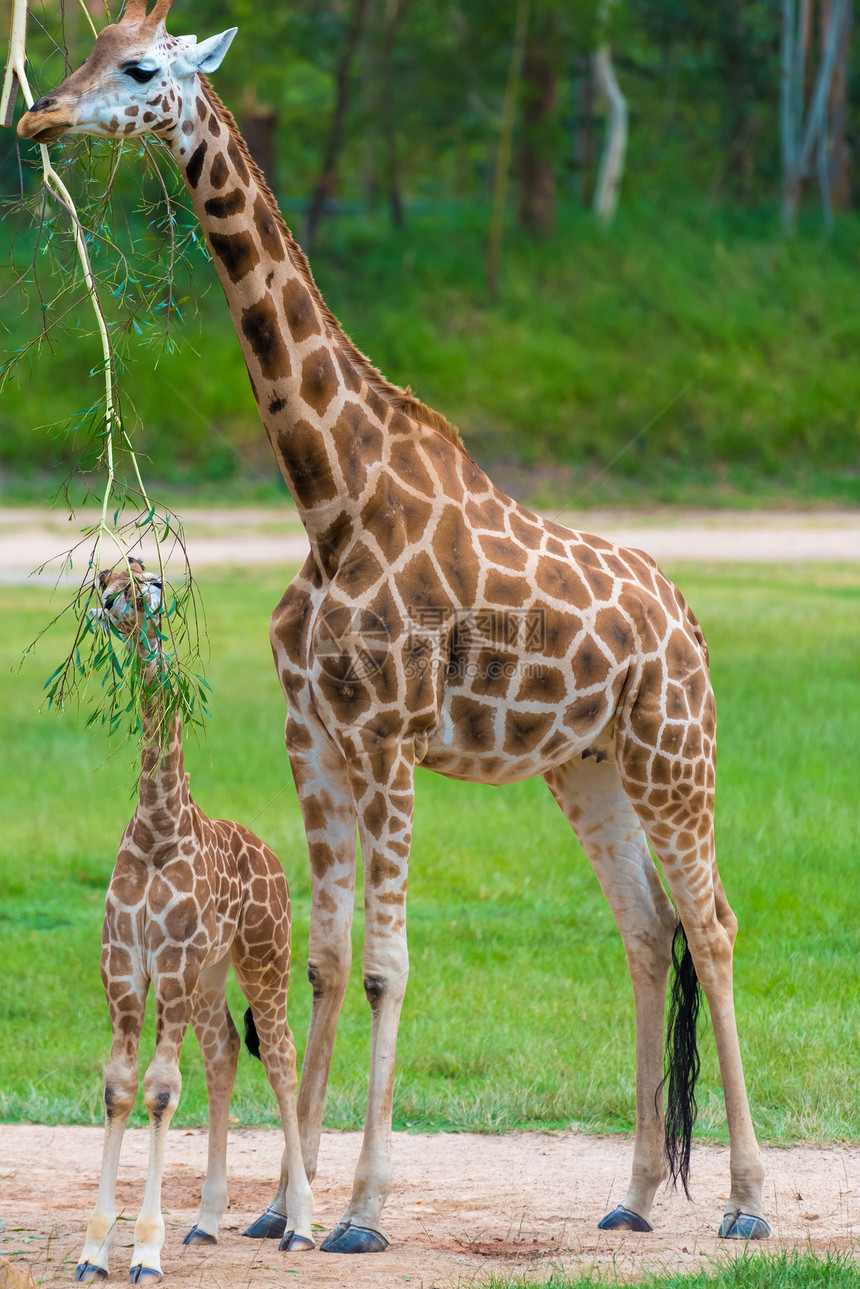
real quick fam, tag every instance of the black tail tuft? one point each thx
(252, 1038)
(682, 1059)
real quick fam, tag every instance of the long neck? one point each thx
(327, 412)
(163, 792)
(300, 373)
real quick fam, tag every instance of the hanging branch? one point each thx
(124, 693)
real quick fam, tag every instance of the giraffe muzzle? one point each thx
(45, 121)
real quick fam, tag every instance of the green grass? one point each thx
(519, 1009)
(712, 362)
(758, 1270)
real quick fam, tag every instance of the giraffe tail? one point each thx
(682, 1059)
(252, 1038)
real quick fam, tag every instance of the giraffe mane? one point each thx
(402, 400)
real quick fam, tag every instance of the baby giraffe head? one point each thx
(134, 82)
(129, 600)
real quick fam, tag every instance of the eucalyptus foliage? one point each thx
(86, 262)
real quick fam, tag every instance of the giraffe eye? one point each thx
(140, 73)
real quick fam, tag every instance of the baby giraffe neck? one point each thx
(163, 793)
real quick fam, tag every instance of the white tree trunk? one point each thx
(615, 144)
(803, 138)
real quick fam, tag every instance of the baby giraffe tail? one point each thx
(682, 1058)
(252, 1039)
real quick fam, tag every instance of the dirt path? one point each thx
(463, 1207)
(242, 538)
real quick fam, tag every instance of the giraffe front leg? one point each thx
(219, 1043)
(596, 806)
(162, 1086)
(384, 779)
(329, 815)
(125, 989)
(328, 812)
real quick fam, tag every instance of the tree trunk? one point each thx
(538, 140)
(582, 91)
(839, 156)
(615, 144)
(326, 185)
(259, 126)
(503, 158)
(804, 136)
(396, 11)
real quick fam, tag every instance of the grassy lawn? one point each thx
(519, 1009)
(759, 1271)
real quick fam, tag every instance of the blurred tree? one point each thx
(259, 126)
(804, 129)
(615, 144)
(395, 11)
(503, 161)
(839, 156)
(722, 62)
(540, 134)
(326, 184)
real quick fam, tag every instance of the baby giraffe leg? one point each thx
(162, 1085)
(120, 1092)
(264, 982)
(219, 1043)
(279, 1058)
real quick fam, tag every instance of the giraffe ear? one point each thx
(205, 57)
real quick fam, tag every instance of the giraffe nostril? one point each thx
(42, 103)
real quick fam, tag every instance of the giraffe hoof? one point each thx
(87, 1272)
(743, 1226)
(624, 1219)
(292, 1243)
(198, 1238)
(347, 1238)
(141, 1275)
(270, 1226)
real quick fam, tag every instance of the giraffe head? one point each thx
(129, 600)
(134, 82)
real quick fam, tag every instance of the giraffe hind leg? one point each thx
(595, 804)
(667, 769)
(263, 978)
(219, 1043)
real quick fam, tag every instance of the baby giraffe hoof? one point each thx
(292, 1243)
(624, 1219)
(347, 1238)
(269, 1226)
(141, 1275)
(198, 1238)
(87, 1272)
(743, 1226)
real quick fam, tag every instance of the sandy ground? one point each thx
(242, 538)
(463, 1207)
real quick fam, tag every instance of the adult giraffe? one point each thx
(437, 622)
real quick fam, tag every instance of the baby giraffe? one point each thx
(188, 896)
